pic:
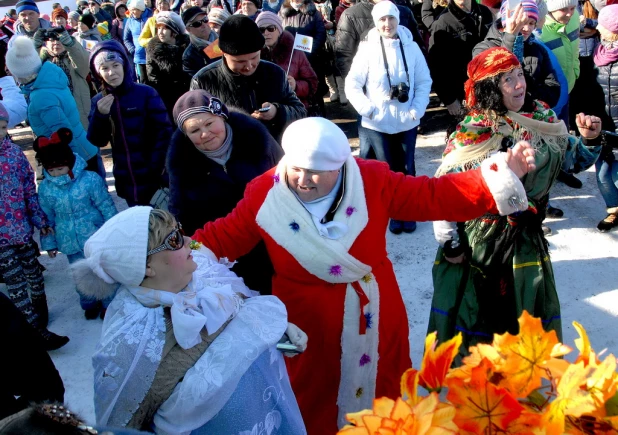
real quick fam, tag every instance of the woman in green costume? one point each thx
(488, 270)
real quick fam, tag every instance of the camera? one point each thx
(401, 92)
(53, 34)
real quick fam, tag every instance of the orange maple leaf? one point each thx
(572, 400)
(437, 361)
(482, 407)
(525, 355)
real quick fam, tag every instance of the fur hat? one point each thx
(137, 4)
(88, 20)
(218, 15)
(267, 18)
(173, 21)
(554, 5)
(315, 143)
(383, 9)
(116, 254)
(55, 151)
(608, 18)
(22, 59)
(240, 35)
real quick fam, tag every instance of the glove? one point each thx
(39, 38)
(66, 39)
(297, 337)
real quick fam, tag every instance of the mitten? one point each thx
(39, 38)
(66, 39)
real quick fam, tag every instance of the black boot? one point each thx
(570, 180)
(93, 312)
(52, 341)
(39, 303)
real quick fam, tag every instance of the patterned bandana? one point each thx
(489, 63)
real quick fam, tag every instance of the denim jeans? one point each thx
(395, 149)
(607, 180)
(87, 302)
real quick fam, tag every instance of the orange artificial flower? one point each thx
(436, 362)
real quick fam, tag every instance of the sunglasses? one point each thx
(173, 242)
(270, 29)
(199, 23)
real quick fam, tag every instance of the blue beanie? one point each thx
(27, 5)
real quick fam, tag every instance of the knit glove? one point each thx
(39, 39)
(66, 39)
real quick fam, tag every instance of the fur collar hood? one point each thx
(308, 8)
(167, 53)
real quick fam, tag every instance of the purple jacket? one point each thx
(19, 205)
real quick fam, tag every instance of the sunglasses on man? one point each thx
(270, 29)
(173, 242)
(199, 23)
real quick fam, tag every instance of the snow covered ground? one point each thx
(584, 260)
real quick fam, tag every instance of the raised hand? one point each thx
(520, 158)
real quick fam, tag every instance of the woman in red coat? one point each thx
(323, 215)
(277, 49)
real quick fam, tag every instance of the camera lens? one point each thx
(403, 97)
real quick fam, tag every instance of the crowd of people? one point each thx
(218, 131)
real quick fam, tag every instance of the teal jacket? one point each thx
(51, 106)
(76, 207)
(563, 41)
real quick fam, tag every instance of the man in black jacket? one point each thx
(200, 34)
(460, 27)
(244, 81)
(354, 24)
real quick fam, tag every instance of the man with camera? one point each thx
(388, 85)
(60, 48)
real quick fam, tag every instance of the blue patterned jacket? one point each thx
(76, 207)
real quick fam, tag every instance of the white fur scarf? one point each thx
(285, 219)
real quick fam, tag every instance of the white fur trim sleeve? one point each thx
(444, 231)
(505, 187)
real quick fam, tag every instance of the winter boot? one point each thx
(39, 303)
(395, 226)
(52, 341)
(554, 212)
(610, 222)
(409, 226)
(341, 85)
(332, 89)
(570, 180)
(93, 312)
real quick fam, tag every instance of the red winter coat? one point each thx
(317, 306)
(300, 69)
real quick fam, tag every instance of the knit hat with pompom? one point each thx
(22, 60)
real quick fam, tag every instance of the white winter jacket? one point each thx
(379, 112)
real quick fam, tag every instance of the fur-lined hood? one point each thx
(167, 56)
(307, 8)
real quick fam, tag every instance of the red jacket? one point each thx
(317, 306)
(300, 69)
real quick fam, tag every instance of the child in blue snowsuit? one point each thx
(76, 203)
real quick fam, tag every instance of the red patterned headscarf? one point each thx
(489, 63)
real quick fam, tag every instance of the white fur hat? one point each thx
(117, 251)
(22, 59)
(383, 9)
(315, 143)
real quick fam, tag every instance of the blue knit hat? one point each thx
(27, 5)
